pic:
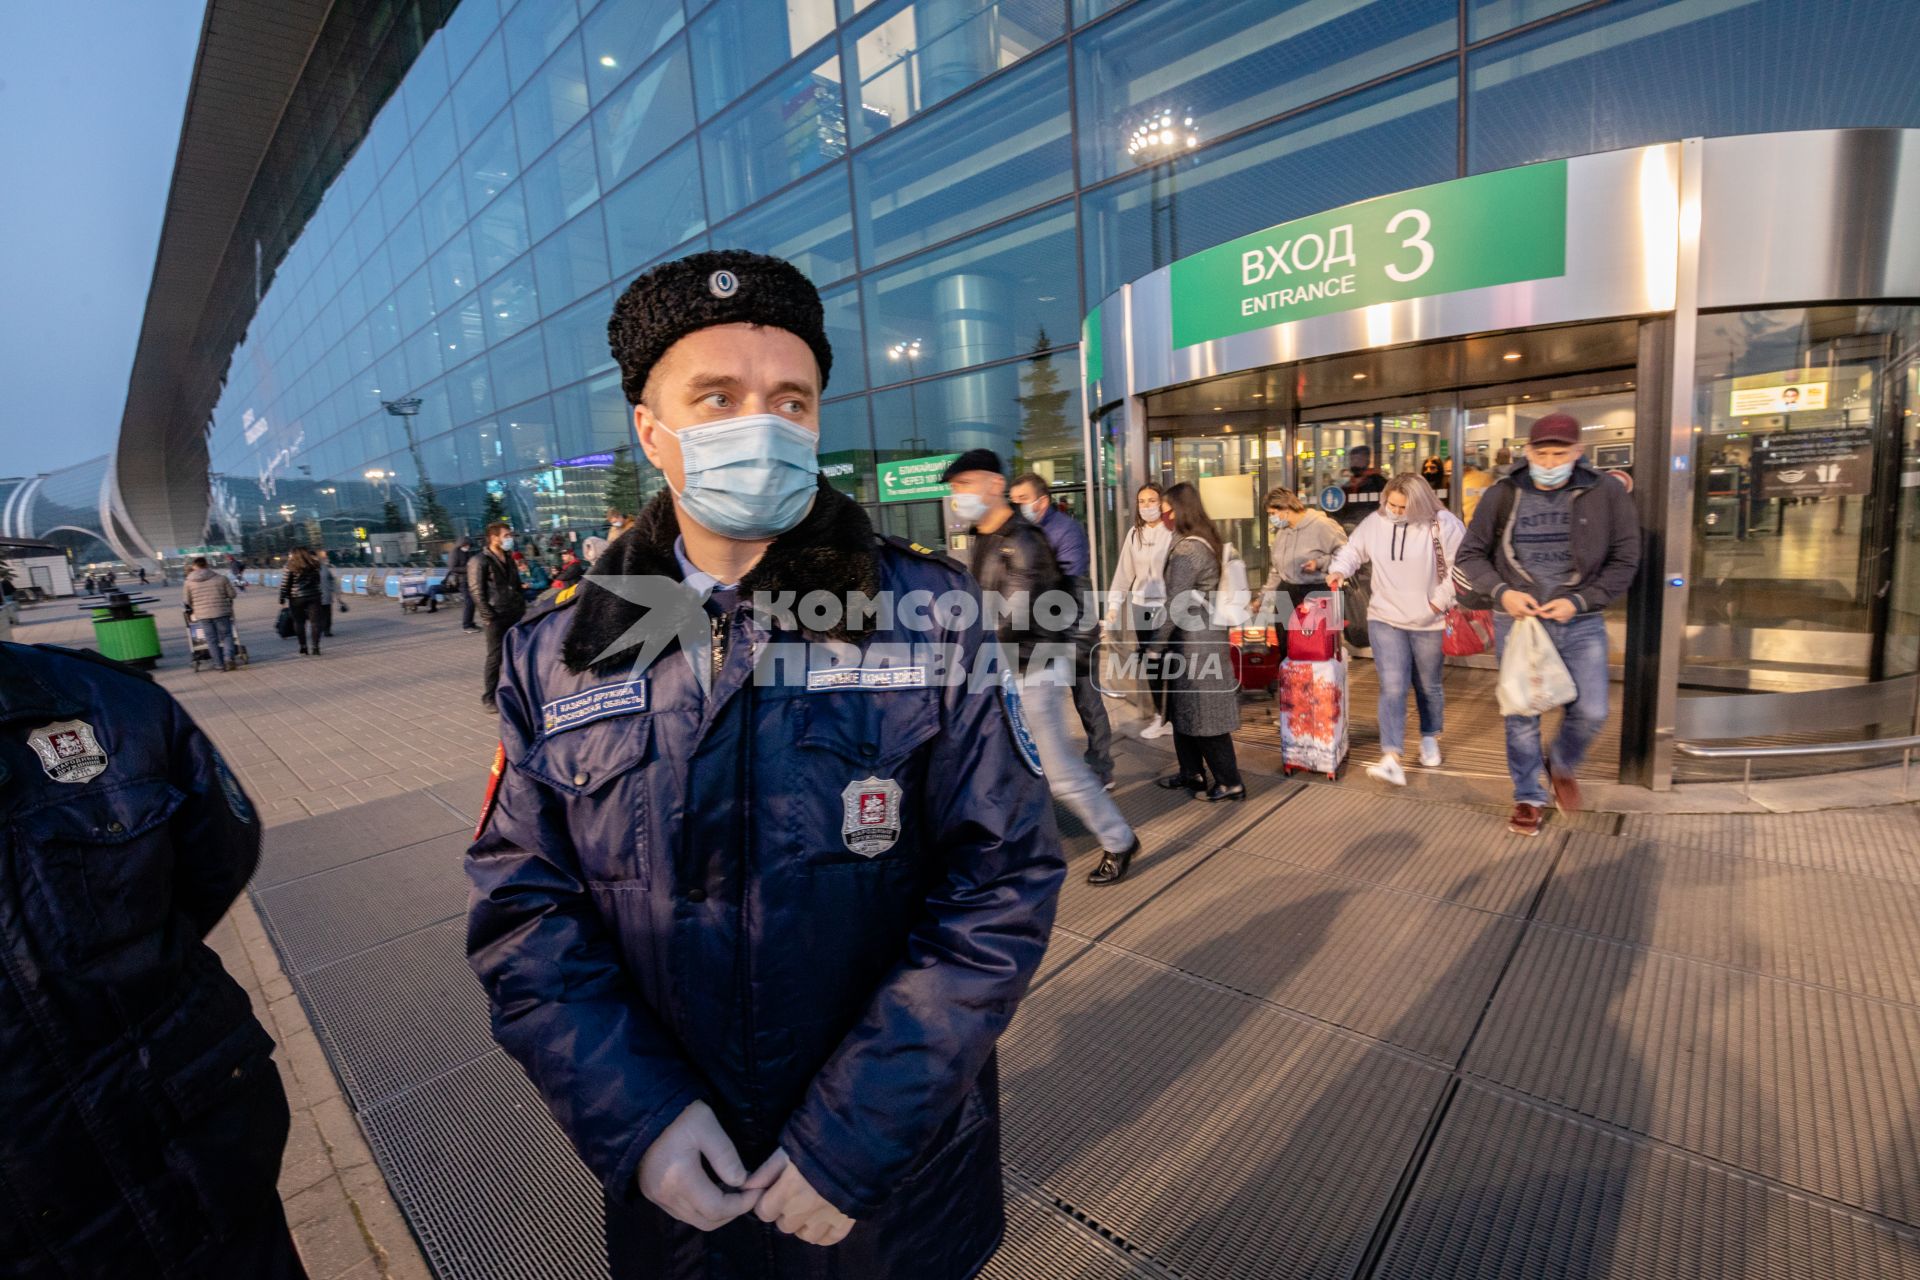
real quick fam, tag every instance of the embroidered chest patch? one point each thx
(589, 705)
(870, 815)
(68, 751)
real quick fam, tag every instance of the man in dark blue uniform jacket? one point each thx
(755, 893)
(144, 1118)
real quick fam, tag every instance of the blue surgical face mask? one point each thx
(1551, 477)
(748, 478)
(506, 543)
(1276, 523)
(970, 507)
(1031, 510)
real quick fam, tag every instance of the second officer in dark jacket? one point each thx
(753, 907)
(144, 1118)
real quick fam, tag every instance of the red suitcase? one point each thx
(1256, 657)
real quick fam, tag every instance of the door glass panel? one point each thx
(1798, 546)
(1228, 468)
(1495, 439)
(1342, 453)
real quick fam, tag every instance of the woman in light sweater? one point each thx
(1410, 542)
(1139, 590)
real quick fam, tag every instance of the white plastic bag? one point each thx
(1533, 679)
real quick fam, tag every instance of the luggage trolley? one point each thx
(201, 645)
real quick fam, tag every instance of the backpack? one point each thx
(1232, 597)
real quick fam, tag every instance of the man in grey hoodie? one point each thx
(208, 598)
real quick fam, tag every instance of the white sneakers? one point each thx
(1387, 769)
(1158, 729)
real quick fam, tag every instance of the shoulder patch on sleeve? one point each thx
(493, 789)
(98, 659)
(550, 604)
(1023, 743)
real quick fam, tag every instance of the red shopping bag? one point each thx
(1469, 631)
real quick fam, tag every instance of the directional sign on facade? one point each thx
(910, 478)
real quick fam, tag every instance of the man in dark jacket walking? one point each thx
(499, 598)
(457, 561)
(1557, 541)
(752, 901)
(1015, 566)
(145, 1118)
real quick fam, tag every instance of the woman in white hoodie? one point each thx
(1140, 589)
(1410, 542)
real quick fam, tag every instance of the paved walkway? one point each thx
(1327, 1033)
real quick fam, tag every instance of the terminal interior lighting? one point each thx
(904, 350)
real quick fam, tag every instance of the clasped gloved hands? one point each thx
(672, 1177)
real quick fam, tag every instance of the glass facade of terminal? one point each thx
(962, 178)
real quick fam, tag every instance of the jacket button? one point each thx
(868, 750)
(579, 779)
(115, 828)
(696, 895)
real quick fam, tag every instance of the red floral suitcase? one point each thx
(1313, 716)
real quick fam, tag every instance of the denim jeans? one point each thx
(220, 641)
(1401, 659)
(1582, 643)
(1046, 697)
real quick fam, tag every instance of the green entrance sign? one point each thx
(1090, 337)
(1496, 228)
(908, 478)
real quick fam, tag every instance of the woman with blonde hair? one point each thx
(1411, 542)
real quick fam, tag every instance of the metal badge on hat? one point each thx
(68, 751)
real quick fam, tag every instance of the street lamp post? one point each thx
(1155, 143)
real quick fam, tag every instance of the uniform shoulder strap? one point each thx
(98, 659)
(913, 548)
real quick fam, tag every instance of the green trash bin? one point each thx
(126, 633)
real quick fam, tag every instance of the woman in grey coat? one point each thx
(1203, 698)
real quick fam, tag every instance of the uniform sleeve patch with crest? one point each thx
(1023, 740)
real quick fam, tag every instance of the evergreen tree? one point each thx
(623, 483)
(496, 512)
(433, 515)
(1045, 430)
(390, 517)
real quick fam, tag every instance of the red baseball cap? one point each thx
(1555, 428)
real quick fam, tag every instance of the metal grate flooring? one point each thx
(312, 845)
(1873, 842)
(493, 1190)
(1212, 1133)
(400, 1014)
(336, 913)
(1323, 1033)
(1516, 1191)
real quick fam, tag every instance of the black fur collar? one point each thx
(831, 550)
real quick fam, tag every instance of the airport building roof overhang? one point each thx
(283, 91)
